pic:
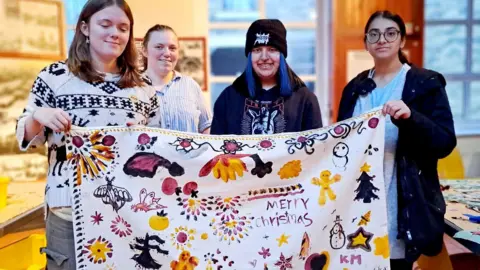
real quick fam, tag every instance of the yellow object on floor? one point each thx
(451, 167)
(3, 191)
(24, 254)
(439, 262)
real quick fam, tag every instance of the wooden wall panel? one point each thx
(349, 19)
(351, 15)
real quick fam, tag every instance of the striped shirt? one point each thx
(182, 106)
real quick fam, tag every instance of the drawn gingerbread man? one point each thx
(324, 182)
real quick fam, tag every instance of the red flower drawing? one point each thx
(120, 227)
(97, 218)
(265, 252)
(284, 263)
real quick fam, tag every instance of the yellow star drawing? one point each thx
(283, 239)
(365, 168)
(360, 239)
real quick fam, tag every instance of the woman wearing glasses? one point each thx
(419, 131)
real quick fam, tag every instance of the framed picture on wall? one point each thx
(16, 80)
(139, 45)
(32, 29)
(192, 58)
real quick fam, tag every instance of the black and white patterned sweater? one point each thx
(89, 105)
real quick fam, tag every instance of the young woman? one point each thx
(182, 102)
(268, 97)
(99, 85)
(419, 131)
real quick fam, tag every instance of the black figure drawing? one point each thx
(113, 195)
(366, 188)
(60, 158)
(144, 260)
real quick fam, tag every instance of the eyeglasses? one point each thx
(389, 35)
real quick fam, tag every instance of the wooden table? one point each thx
(24, 210)
(462, 193)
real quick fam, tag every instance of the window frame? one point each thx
(70, 27)
(244, 27)
(463, 126)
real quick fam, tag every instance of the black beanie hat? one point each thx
(267, 32)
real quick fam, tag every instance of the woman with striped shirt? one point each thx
(182, 105)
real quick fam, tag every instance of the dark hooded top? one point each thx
(235, 112)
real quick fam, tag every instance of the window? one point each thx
(72, 11)
(452, 47)
(228, 24)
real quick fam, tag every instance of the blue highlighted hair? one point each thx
(285, 86)
(251, 83)
(283, 77)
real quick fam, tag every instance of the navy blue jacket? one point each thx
(424, 138)
(235, 112)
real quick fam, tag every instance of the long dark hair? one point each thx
(386, 14)
(146, 39)
(79, 58)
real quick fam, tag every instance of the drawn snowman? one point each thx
(340, 158)
(337, 235)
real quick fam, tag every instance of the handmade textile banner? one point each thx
(157, 199)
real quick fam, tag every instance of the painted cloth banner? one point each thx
(157, 199)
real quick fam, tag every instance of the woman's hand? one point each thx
(54, 118)
(397, 109)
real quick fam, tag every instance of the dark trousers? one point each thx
(400, 264)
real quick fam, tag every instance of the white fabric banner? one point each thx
(149, 198)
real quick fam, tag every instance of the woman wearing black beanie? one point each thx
(268, 97)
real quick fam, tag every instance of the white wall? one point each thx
(189, 18)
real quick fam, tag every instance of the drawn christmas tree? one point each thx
(366, 188)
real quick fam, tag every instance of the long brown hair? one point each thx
(79, 58)
(146, 39)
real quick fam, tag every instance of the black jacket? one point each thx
(235, 112)
(424, 138)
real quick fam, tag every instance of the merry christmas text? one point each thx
(289, 216)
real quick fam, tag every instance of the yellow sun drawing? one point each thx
(91, 155)
(182, 237)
